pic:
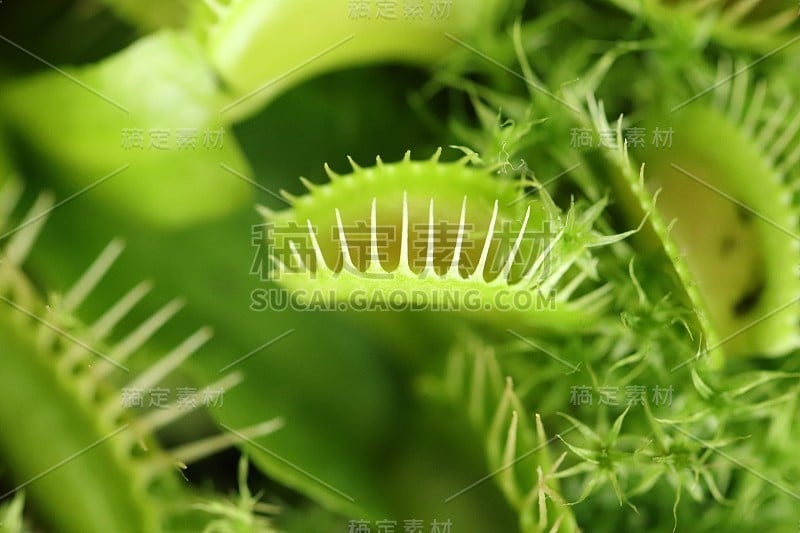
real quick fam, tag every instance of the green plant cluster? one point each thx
(626, 168)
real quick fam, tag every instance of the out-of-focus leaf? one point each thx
(262, 47)
(151, 14)
(142, 126)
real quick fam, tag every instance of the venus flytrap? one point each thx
(741, 24)
(82, 458)
(757, 282)
(655, 341)
(262, 47)
(647, 310)
(158, 103)
(575, 108)
(649, 329)
(516, 448)
(738, 273)
(741, 166)
(117, 123)
(657, 234)
(663, 321)
(526, 137)
(448, 183)
(546, 256)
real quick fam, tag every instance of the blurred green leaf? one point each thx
(141, 126)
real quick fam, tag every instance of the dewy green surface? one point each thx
(442, 232)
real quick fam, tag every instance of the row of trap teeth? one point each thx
(776, 136)
(80, 360)
(407, 160)
(374, 264)
(333, 176)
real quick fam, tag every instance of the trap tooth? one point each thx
(596, 300)
(374, 261)
(333, 176)
(321, 264)
(192, 452)
(355, 166)
(348, 261)
(738, 95)
(429, 248)
(164, 366)
(404, 235)
(138, 337)
(89, 280)
(281, 266)
(549, 284)
(480, 271)
(766, 137)
(265, 212)
(470, 156)
(378, 161)
(755, 109)
(407, 156)
(453, 270)
(109, 319)
(289, 197)
(161, 368)
(24, 235)
(567, 290)
(720, 96)
(151, 421)
(436, 155)
(506, 272)
(307, 184)
(296, 255)
(163, 462)
(539, 263)
(782, 143)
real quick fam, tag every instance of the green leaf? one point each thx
(141, 129)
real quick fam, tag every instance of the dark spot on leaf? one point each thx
(727, 245)
(744, 215)
(749, 300)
